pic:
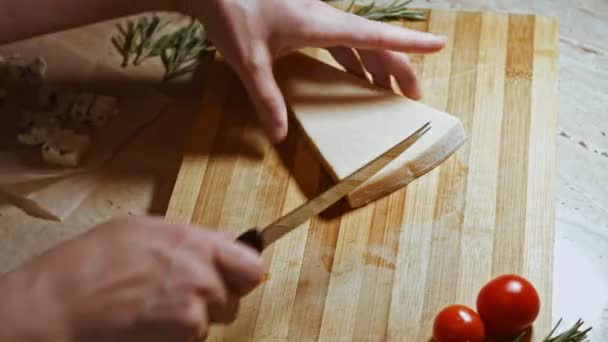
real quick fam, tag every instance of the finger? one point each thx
(348, 59)
(224, 313)
(208, 281)
(265, 94)
(373, 64)
(241, 266)
(194, 315)
(399, 65)
(338, 28)
(184, 312)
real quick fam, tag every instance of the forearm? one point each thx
(22, 19)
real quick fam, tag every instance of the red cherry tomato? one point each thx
(458, 323)
(508, 305)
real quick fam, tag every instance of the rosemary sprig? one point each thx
(574, 334)
(137, 39)
(125, 41)
(180, 51)
(395, 11)
(147, 46)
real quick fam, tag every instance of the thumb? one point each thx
(339, 28)
(259, 81)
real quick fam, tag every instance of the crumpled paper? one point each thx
(54, 192)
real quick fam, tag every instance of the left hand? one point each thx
(126, 280)
(251, 34)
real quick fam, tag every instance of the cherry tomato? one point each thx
(458, 323)
(508, 305)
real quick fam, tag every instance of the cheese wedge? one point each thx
(350, 121)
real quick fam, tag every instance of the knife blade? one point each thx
(260, 239)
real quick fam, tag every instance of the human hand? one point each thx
(137, 279)
(251, 34)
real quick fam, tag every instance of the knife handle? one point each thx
(252, 238)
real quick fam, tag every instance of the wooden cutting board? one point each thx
(382, 272)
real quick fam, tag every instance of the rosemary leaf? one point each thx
(121, 29)
(130, 26)
(153, 27)
(118, 43)
(161, 44)
(166, 56)
(122, 45)
(183, 70)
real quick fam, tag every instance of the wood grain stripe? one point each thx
(196, 155)
(346, 276)
(414, 241)
(540, 210)
(219, 170)
(313, 284)
(271, 185)
(476, 242)
(288, 254)
(449, 204)
(513, 164)
(251, 152)
(371, 320)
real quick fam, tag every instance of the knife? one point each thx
(260, 239)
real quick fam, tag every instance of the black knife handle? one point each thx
(252, 238)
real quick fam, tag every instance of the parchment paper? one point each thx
(53, 192)
(24, 163)
(80, 59)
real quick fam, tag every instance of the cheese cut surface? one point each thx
(350, 121)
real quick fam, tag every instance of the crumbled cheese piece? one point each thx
(3, 68)
(37, 128)
(21, 70)
(102, 110)
(35, 135)
(81, 106)
(3, 65)
(65, 148)
(17, 69)
(64, 101)
(47, 97)
(39, 118)
(38, 67)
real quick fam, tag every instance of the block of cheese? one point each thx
(349, 122)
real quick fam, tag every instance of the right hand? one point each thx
(135, 279)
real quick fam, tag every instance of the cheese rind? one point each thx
(350, 121)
